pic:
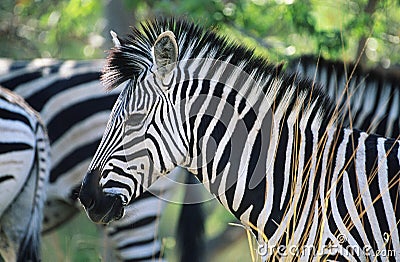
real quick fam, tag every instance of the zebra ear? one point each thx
(115, 39)
(165, 53)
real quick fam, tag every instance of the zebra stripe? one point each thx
(250, 155)
(75, 109)
(366, 99)
(24, 172)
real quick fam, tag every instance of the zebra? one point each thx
(24, 171)
(75, 109)
(266, 144)
(368, 99)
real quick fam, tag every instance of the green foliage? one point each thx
(277, 28)
(76, 241)
(61, 29)
(283, 28)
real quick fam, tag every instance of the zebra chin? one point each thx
(101, 207)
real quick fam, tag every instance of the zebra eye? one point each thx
(135, 119)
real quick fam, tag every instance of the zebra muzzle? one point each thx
(100, 207)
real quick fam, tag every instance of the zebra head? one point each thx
(139, 145)
(186, 90)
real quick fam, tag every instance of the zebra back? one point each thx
(367, 99)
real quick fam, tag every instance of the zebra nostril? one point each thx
(90, 189)
(87, 202)
(91, 204)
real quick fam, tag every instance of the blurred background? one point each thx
(346, 30)
(281, 29)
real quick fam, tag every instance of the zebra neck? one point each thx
(246, 152)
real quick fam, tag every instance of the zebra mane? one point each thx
(132, 57)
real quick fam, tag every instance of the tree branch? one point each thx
(369, 10)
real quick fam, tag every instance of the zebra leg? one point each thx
(135, 235)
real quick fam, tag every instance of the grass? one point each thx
(78, 240)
